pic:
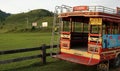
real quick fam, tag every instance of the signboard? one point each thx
(34, 24)
(44, 24)
(80, 8)
(96, 21)
(118, 10)
(111, 41)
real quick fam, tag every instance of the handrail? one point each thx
(66, 8)
(101, 9)
(90, 9)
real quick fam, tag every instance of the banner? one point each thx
(111, 41)
(96, 21)
(44, 24)
(80, 8)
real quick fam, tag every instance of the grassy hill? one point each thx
(23, 21)
(3, 16)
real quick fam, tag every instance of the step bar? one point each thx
(77, 59)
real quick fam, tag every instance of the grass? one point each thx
(21, 40)
(27, 40)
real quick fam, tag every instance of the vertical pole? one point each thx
(114, 29)
(111, 28)
(89, 31)
(71, 28)
(72, 25)
(89, 27)
(107, 29)
(82, 27)
(44, 54)
(27, 20)
(62, 26)
(101, 29)
(118, 28)
(95, 9)
(108, 66)
(103, 9)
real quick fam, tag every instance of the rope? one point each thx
(94, 50)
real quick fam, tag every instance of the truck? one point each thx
(88, 35)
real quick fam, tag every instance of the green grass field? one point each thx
(10, 41)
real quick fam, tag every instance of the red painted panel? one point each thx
(65, 44)
(80, 8)
(107, 57)
(94, 34)
(77, 59)
(110, 49)
(65, 32)
(93, 43)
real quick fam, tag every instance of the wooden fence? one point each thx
(43, 54)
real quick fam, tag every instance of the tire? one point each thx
(117, 61)
(103, 67)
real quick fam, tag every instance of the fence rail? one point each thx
(43, 54)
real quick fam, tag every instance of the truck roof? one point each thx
(92, 11)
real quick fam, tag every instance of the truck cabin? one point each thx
(74, 33)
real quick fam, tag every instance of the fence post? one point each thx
(44, 54)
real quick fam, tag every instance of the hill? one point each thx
(3, 16)
(23, 21)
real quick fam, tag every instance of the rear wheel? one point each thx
(117, 61)
(103, 67)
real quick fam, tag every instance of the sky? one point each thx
(18, 6)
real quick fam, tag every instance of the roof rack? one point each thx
(95, 9)
(65, 9)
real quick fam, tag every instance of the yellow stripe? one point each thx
(95, 39)
(65, 36)
(81, 53)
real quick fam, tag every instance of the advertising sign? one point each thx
(110, 41)
(80, 8)
(96, 21)
(34, 24)
(44, 24)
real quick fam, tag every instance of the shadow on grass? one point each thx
(51, 65)
(56, 65)
(28, 67)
